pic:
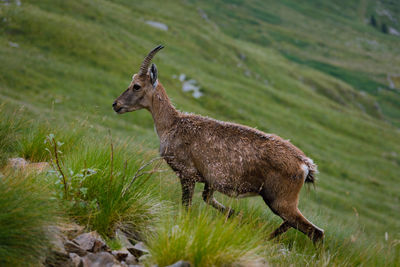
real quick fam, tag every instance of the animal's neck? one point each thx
(163, 112)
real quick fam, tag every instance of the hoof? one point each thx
(230, 213)
(318, 236)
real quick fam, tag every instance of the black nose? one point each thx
(114, 104)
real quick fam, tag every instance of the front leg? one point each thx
(187, 192)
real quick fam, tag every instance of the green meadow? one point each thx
(314, 72)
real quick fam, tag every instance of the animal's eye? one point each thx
(136, 86)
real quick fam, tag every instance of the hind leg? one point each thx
(299, 222)
(280, 230)
(292, 217)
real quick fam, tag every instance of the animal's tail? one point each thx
(312, 170)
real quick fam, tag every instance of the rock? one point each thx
(76, 260)
(138, 250)
(120, 255)
(58, 239)
(180, 264)
(17, 163)
(70, 230)
(203, 14)
(101, 259)
(131, 260)
(191, 85)
(12, 44)
(393, 31)
(91, 242)
(123, 239)
(99, 246)
(182, 77)
(242, 56)
(58, 256)
(158, 25)
(143, 257)
(72, 247)
(126, 246)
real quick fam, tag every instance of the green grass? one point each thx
(313, 75)
(9, 130)
(205, 239)
(27, 213)
(101, 195)
(202, 236)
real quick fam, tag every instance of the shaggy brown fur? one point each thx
(233, 159)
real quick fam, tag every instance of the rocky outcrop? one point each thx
(72, 248)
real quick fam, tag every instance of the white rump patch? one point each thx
(305, 170)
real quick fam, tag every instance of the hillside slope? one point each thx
(314, 73)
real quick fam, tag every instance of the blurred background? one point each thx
(324, 74)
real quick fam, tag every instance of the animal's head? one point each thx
(140, 91)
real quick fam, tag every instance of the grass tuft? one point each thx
(27, 210)
(205, 240)
(100, 193)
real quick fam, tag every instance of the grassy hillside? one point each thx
(315, 73)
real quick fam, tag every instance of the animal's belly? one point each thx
(238, 191)
(243, 195)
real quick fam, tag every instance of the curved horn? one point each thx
(146, 61)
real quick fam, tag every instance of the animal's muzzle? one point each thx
(117, 106)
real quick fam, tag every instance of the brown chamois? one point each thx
(233, 159)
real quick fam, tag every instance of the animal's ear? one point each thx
(153, 75)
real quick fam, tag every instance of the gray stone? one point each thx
(91, 242)
(72, 247)
(101, 259)
(126, 246)
(120, 255)
(76, 260)
(123, 239)
(17, 163)
(12, 44)
(191, 85)
(144, 257)
(131, 260)
(203, 14)
(182, 77)
(138, 250)
(70, 230)
(158, 25)
(58, 256)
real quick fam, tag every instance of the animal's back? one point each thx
(234, 153)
